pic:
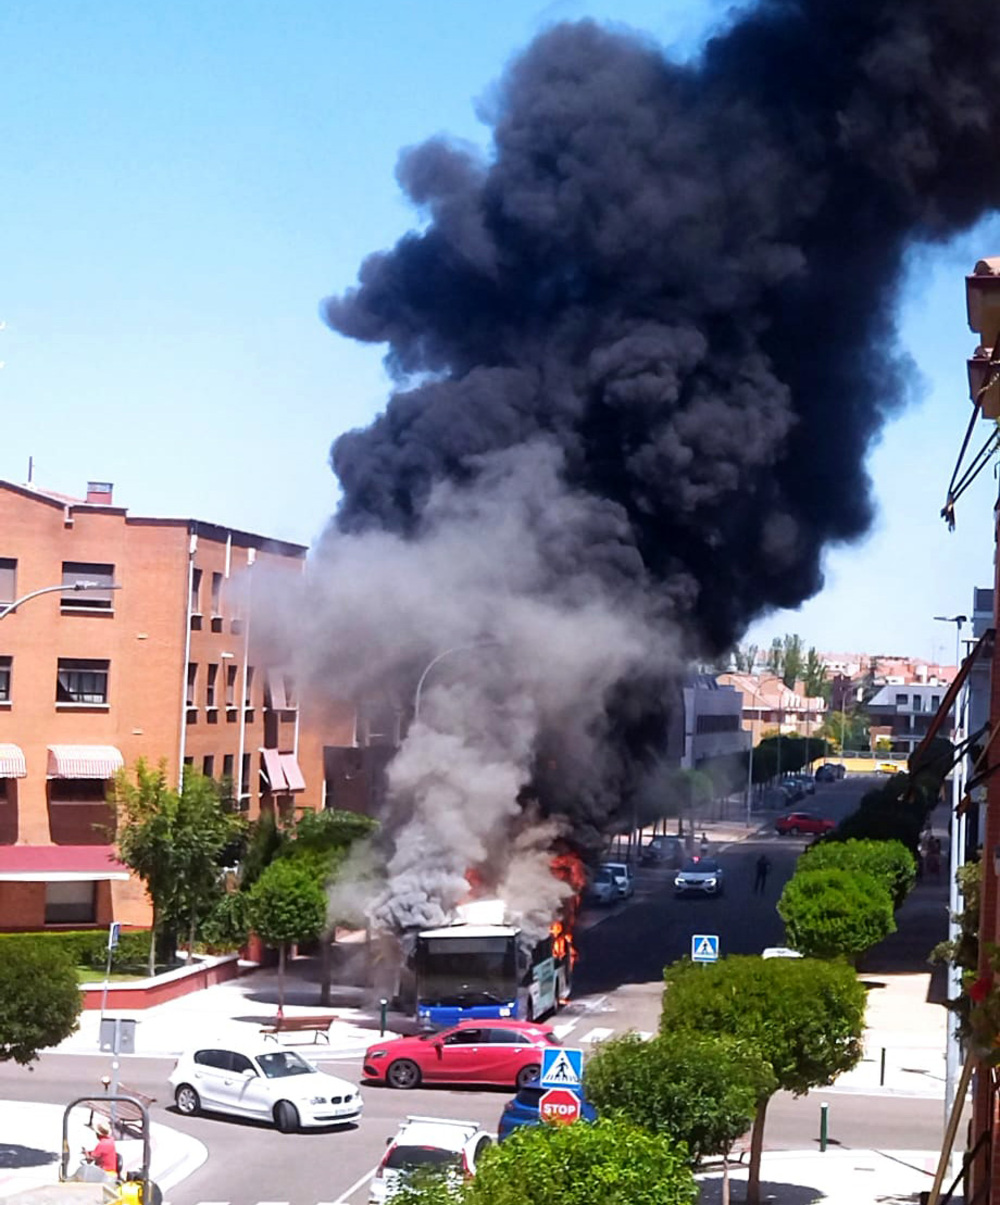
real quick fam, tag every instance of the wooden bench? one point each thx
(128, 1116)
(317, 1026)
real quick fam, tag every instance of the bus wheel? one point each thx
(527, 1074)
(403, 1073)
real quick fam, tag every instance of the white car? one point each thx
(621, 872)
(780, 952)
(452, 1147)
(699, 876)
(266, 1081)
(603, 888)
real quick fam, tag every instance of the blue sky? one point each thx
(183, 183)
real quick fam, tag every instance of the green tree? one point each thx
(40, 999)
(204, 826)
(835, 913)
(610, 1162)
(814, 675)
(745, 658)
(888, 861)
(173, 841)
(700, 1089)
(287, 904)
(792, 660)
(145, 812)
(804, 1017)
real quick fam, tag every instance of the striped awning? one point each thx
(60, 864)
(84, 761)
(293, 775)
(12, 763)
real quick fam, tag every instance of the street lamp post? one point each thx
(74, 586)
(956, 858)
(458, 648)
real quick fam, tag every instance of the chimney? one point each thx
(99, 493)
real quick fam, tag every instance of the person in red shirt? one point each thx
(104, 1154)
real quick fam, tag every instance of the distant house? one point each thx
(904, 712)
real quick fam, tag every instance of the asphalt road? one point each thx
(622, 954)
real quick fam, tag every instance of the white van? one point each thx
(622, 873)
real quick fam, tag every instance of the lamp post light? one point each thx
(458, 648)
(74, 586)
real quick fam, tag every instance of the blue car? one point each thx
(523, 1110)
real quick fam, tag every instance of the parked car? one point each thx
(803, 822)
(264, 1081)
(451, 1147)
(471, 1052)
(780, 952)
(663, 851)
(806, 782)
(603, 888)
(699, 876)
(621, 872)
(776, 797)
(793, 788)
(830, 772)
(523, 1110)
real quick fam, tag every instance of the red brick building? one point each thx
(162, 666)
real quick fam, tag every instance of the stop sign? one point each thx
(559, 1106)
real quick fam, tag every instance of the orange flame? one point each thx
(569, 869)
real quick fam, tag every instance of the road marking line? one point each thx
(565, 1027)
(345, 1196)
(597, 1035)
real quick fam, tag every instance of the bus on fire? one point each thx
(471, 970)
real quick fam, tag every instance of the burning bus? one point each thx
(480, 967)
(483, 966)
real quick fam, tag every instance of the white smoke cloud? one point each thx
(496, 574)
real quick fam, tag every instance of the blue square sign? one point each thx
(705, 947)
(562, 1068)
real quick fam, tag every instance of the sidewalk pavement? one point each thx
(32, 1140)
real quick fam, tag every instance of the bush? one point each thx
(835, 913)
(87, 947)
(699, 1089)
(888, 861)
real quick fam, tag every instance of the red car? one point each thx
(471, 1052)
(803, 822)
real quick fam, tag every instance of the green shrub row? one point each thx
(89, 947)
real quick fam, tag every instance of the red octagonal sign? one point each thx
(559, 1105)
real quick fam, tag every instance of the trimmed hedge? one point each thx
(89, 947)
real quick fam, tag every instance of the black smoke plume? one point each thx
(680, 279)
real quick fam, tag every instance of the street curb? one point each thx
(193, 1154)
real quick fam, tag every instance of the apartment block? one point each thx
(135, 638)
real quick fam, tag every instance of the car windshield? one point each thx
(700, 866)
(603, 876)
(403, 1158)
(284, 1063)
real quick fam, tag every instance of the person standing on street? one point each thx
(760, 877)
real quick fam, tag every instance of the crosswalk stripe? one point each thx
(565, 1027)
(597, 1035)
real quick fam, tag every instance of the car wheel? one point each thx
(526, 1075)
(793, 831)
(403, 1073)
(286, 1117)
(186, 1100)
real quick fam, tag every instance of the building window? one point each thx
(245, 781)
(189, 762)
(8, 580)
(916, 702)
(82, 681)
(71, 903)
(935, 702)
(6, 664)
(78, 790)
(195, 591)
(208, 765)
(213, 673)
(707, 723)
(902, 700)
(248, 689)
(227, 765)
(231, 672)
(216, 593)
(87, 600)
(192, 684)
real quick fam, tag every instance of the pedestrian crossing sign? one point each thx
(562, 1068)
(705, 947)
